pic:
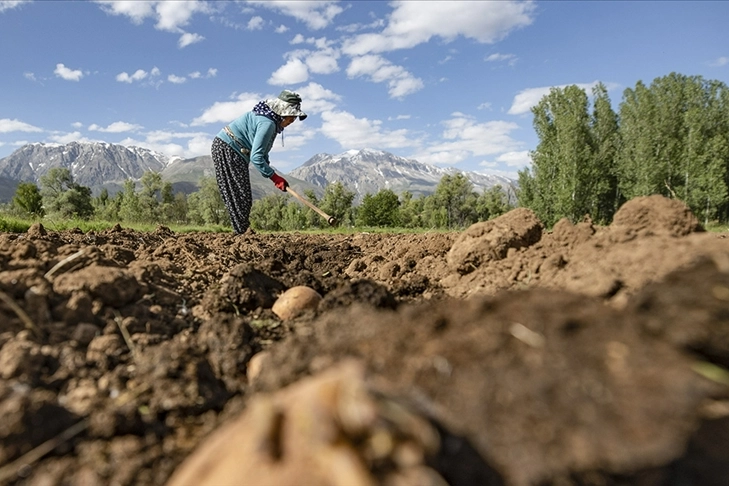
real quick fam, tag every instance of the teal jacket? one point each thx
(256, 133)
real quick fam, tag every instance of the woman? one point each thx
(249, 138)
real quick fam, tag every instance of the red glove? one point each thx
(279, 182)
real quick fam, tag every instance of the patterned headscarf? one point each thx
(263, 109)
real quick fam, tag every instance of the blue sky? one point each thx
(447, 83)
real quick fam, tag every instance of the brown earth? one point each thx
(503, 355)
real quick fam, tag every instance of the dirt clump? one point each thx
(581, 355)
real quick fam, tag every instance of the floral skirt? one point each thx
(231, 172)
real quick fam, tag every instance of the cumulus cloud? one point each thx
(301, 62)
(10, 4)
(464, 137)
(187, 39)
(356, 133)
(138, 75)
(256, 23)
(378, 70)
(317, 99)
(293, 72)
(225, 111)
(174, 79)
(7, 125)
(528, 98)
(281, 29)
(169, 16)
(116, 127)
(64, 138)
(315, 14)
(173, 143)
(68, 74)
(508, 164)
(29, 76)
(414, 23)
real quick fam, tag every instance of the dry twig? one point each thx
(21, 313)
(63, 262)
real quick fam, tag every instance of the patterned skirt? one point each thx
(231, 172)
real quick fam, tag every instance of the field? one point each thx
(502, 355)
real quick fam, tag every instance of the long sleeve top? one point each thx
(256, 133)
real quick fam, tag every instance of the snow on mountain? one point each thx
(92, 164)
(368, 171)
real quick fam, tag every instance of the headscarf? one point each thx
(264, 110)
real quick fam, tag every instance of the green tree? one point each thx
(382, 209)
(28, 199)
(129, 208)
(107, 208)
(206, 206)
(150, 197)
(603, 198)
(337, 202)
(563, 168)
(454, 200)
(674, 142)
(492, 202)
(411, 210)
(63, 197)
(267, 212)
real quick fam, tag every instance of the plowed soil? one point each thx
(505, 354)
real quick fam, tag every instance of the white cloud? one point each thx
(317, 99)
(7, 125)
(180, 144)
(77, 125)
(464, 137)
(256, 23)
(10, 4)
(484, 106)
(64, 138)
(509, 58)
(323, 61)
(171, 16)
(116, 127)
(225, 111)
(378, 69)
(68, 74)
(293, 72)
(719, 62)
(413, 23)
(187, 39)
(316, 14)
(298, 39)
(137, 11)
(138, 75)
(174, 79)
(356, 133)
(508, 164)
(526, 99)
(212, 72)
(281, 29)
(518, 160)
(29, 76)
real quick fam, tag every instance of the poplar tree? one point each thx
(562, 177)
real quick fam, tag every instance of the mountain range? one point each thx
(100, 165)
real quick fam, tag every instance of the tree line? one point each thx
(454, 204)
(669, 138)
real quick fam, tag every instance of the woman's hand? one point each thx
(279, 182)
